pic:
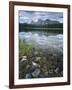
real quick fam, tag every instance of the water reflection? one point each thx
(40, 55)
(43, 39)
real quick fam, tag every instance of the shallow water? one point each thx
(43, 39)
(46, 46)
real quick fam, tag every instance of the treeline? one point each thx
(27, 27)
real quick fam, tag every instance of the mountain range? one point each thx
(44, 22)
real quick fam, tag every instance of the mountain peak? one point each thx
(44, 22)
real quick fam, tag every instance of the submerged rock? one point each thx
(36, 73)
(51, 71)
(35, 64)
(28, 76)
(46, 73)
(38, 58)
(36, 52)
(56, 70)
(23, 58)
(28, 66)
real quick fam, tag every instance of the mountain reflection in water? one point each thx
(43, 39)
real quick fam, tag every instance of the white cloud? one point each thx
(28, 16)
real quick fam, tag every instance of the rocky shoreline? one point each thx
(41, 63)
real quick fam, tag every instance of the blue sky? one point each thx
(28, 16)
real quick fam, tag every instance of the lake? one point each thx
(43, 39)
(41, 54)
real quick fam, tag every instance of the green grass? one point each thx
(24, 49)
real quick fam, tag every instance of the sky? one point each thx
(29, 16)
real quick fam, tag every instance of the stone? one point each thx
(46, 73)
(36, 52)
(44, 68)
(33, 58)
(36, 73)
(38, 58)
(50, 71)
(41, 76)
(28, 76)
(35, 64)
(24, 58)
(32, 68)
(40, 53)
(56, 70)
(28, 66)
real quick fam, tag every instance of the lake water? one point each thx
(46, 56)
(43, 39)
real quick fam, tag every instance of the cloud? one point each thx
(28, 16)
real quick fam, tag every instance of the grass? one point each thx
(24, 49)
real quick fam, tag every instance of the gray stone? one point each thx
(28, 66)
(28, 76)
(56, 70)
(51, 71)
(44, 68)
(46, 73)
(35, 64)
(36, 73)
(24, 58)
(36, 52)
(38, 58)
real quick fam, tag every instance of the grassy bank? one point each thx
(24, 49)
